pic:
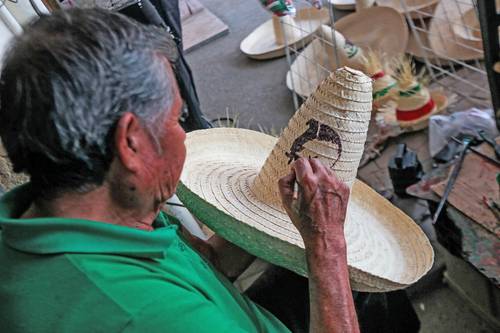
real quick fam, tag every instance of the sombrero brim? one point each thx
(386, 249)
(441, 37)
(413, 48)
(261, 43)
(378, 24)
(465, 32)
(421, 9)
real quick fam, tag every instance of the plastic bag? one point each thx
(442, 128)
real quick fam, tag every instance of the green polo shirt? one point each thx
(70, 275)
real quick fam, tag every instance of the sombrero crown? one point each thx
(334, 132)
(230, 179)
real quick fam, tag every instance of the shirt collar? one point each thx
(64, 235)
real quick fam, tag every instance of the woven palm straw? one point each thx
(344, 103)
(230, 180)
(386, 82)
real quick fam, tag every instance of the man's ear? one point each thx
(129, 139)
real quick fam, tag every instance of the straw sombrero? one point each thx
(383, 29)
(420, 48)
(25, 11)
(270, 39)
(230, 178)
(323, 55)
(469, 31)
(442, 38)
(415, 8)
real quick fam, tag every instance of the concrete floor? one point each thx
(230, 83)
(255, 93)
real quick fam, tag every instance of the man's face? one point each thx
(173, 151)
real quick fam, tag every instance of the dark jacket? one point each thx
(165, 13)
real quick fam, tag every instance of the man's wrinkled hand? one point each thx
(319, 210)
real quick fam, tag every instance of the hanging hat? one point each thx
(270, 39)
(415, 8)
(323, 55)
(468, 31)
(442, 38)
(230, 183)
(420, 48)
(343, 4)
(383, 29)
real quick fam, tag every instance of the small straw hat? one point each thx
(383, 29)
(442, 38)
(270, 39)
(379, 67)
(414, 103)
(230, 183)
(415, 8)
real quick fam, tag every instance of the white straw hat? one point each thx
(417, 118)
(442, 38)
(230, 179)
(415, 8)
(383, 29)
(26, 11)
(270, 39)
(414, 102)
(320, 57)
(343, 4)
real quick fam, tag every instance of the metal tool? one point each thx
(479, 153)
(466, 142)
(491, 142)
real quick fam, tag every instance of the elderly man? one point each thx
(89, 109)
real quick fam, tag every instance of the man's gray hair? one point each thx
(65, 83)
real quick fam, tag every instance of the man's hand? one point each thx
(320, 209)
(319, 213)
